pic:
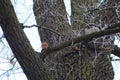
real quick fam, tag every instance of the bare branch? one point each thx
(114, 29)
(38, 26)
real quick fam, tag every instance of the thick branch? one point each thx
(30, 63)
(114, 29)
(116, 51)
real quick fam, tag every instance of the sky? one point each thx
(25, 15)
(23, 9)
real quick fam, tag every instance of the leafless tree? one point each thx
(79, 50)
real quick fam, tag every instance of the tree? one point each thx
(61, 61)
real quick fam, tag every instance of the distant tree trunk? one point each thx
(68, 64)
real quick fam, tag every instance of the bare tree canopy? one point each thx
(74, 48)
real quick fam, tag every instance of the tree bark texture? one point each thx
(48, 14)
(52, 15)
(68, 64)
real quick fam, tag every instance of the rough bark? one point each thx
(30, 63)
(79, 65)
(52, 15)
(99, 65)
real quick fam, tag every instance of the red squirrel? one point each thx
(44, 45)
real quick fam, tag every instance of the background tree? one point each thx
(69, 56)
(87, 63)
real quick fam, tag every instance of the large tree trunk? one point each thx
(98, 64)
(52, 15)
(68, 64)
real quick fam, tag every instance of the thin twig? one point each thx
(25, 26)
